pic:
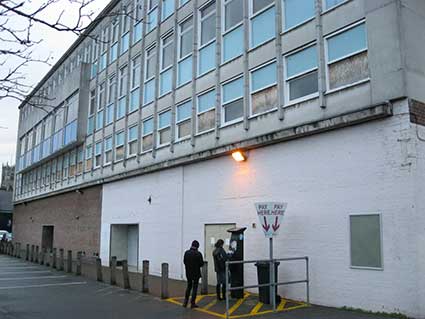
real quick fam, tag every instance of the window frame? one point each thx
(160, 129)
(223, 104)
(162, 69)
(252, 16)
(381, 239)
(150, 118)
(97, 154)
(129, 141)
(177, 122)
(116, 146)
(109, 149)
(146, 79)
(284, 29)
(180, 34)
(135, 69)
(210, 42)
(287, 79)
(326, 9)
(212, 89)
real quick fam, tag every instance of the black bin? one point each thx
(263, 274)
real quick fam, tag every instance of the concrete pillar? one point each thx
(61, 257)
(54, 258)
(79, 263)
(204, 287)
(113, 279)
(99, 269)
(37, 254)
(126, 279)
(69, 262)
(164, 281)
(145, 276)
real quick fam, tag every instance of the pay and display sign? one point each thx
(270, 215)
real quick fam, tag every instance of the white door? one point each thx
(213, 233)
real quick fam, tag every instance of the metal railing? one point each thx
(272, 281)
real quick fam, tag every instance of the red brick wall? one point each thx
(75, 217)
(417, 112)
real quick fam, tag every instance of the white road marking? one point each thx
(45, 285)
(22, 267)
(29, 278)
(24, 272)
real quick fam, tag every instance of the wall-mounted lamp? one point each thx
(150, 199)
(239, 156)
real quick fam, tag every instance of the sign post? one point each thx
(270, 215)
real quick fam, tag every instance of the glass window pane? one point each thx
(208, 29)
(149, 93)
(233, 13)
(186, 44)
(233, 44)
(137, 32)
(167, 54)
(184, 111)
(167, 8)
(263, 77)
(147, 126)
(257, 5)
(346, 43)
(263, 27)
(185, 71)
(152, 20)
(119, 139)
(207, 58)
(233, 110)
(206, 101)
(302, 86)
(301, 62)
(347, 71)
(331, 3)
(297, 11)
(165, 81)
(134, 100)
(132, 133)
(164, 119)
(365, 239)
(233, 90)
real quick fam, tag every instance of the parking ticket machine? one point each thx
(236, 253)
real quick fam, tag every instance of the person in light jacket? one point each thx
(193, 262)
(220, 258)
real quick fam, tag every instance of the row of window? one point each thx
(346, 64)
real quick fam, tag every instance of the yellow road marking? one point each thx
(212, 303)
(256, 308)
(238, 304)
(281, 305)
(199, 298)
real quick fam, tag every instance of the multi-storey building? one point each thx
(124, 146)
(7, 177)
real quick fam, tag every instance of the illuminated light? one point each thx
(239, 156)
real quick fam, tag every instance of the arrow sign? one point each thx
(270, 215)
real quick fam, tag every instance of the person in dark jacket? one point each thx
(193, 262)
(220, 257)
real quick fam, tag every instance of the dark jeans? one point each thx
(192, 283)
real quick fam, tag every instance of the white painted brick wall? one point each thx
(366, 168)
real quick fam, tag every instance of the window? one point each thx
(365, 241)
(122, 90)
(206, 111)
(152, 15)
(207, 37)
(263, 27)
(301, 74)
(332, 3)
(164, 128)
(182, 2)
(112, 86)
(167, 8)
(296, 12)
(58, 129)
(183, 120)
(72, 164)
(347, 57)
(232, 101)
(137, 31)
(135, 84)
(132, 140)
(147, 135)
(149, 88)
(233, 29)
(119, 146)
(80, 160)
(99, 120)
(108, 150)
(65, 169)
(113, 53)
(95, 52)
(125, 42)
(185, 51)
(264, 89)
(167, 59)
(101, 96)
(92, 106)
(103, 49)
(98, 155)
(89, 150)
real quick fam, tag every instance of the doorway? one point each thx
(47, 237)
(125, 244)
(213, 232)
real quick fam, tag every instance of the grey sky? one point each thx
(54, 44)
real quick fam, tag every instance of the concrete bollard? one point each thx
(79, 262)
(32, 253)
(27, 252)
(164, 281)
(37, 254)
(145, 276)
(113, 278)
(54, 258)
(99, 275)
(69, 261)
(126, 279)
(204, 287)
(47, 258)
(42, 256)
(18, 255)
(61, 259)
(15, 250)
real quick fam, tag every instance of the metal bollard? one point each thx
(27, 252)
(61, 259)
(79, 262)
(47, 258)
(32, 253)
(145, 276)
(99, 269)
(164, 281)
(37, 253)
(42, 256)
(54, 258)
(113, 279)
(126, 279)
(69, 262)
(204, 287)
